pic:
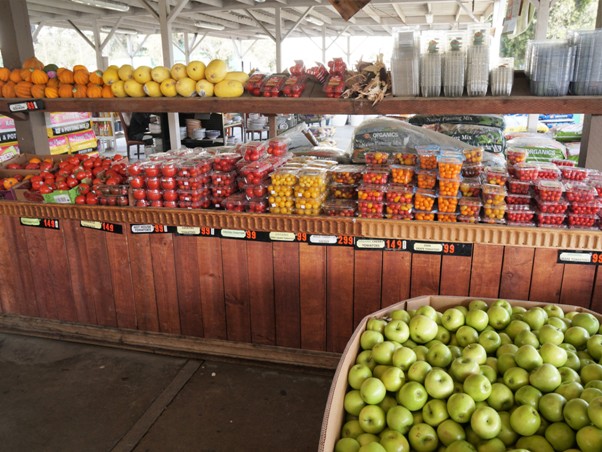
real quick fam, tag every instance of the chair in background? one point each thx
(129, 142)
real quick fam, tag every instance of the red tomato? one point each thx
(84, 188)
(72, 182)
(46, 166)
(137, 182)
(45, 189)
(139, 193)
(80, 199)
(113, 181)
(157, 203)
(62, 186)
(170, 195)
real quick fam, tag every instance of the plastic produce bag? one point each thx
(567, 132)
(323, 152)
(479, 120)
(489, 138)
(541, 148)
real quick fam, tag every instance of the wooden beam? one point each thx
(296, 24)
(261, 25)
(177, 10)
(370, 11)
(146, 5)
(81, 33)
(399, 12)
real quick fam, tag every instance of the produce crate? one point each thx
(62, 196)
(334, 412)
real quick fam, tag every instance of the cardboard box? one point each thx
(62, 196)
(334, 412)
(22, 159)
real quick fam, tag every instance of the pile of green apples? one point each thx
(482, 377)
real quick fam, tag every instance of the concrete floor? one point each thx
(63, 396)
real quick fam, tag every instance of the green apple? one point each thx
(347, 445)
(367, 438)
(515, 327)
(594, 384)
(485, 421)
(569, 315)
(515, 378)
(507, 435)
(477, 319)
(400, 314)
(567, 375)
(560, 435)
(455, 351)
(589, 394)
(546, 378)
(382, 352)
(404, 357)
(478, 387)
(506, 348)
(558, 322)
(393, 378)
(594, 346)
(594, 411)
(372, 419)
(374, 324)
(353, 402)
(575, 413)
(504, 338)
(434, 412)
(460, 407)
(553, 310)
(572, 360)
(568, 347)
(505, 362)
(499, 317)
(476, 352)
(536, 317)
(587, 321)
(490, 340)
(449, 431)
(501, 398)
(528, 357)
(421, 351)
(591, 372)
(534, 443)
(397, 330)
(488, 372)
(365, 357)
(379, 370)
(526, 338)
(370, 338)
(577, 336)
(525, 420)
(439, 384)
(357, 374)
(423, 438)
(417, 415)
(571, 390)
(550, 334)
(439, 355)
(466, 335)
(351, 429)
(477, 305)
(399, 418)
(492, 445)
(589, 439)
(551, 406)
(373, 391)
(394, 441)
(443, 335)
(504, 304)
(553, 354)
(427, 311)
(528, 395)
(452, 319)
(462, 367)
(412, 395)
(418, 370)
(422, 329)
(387, 403)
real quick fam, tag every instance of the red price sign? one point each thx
(205, 231)
(346, 240)
(596, 258)
(251, 235)
(301, 237)
(393, 244)
(449, 248)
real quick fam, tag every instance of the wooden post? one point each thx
(278, 39)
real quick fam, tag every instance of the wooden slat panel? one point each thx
(189, 285)
(286, 294)
(577, 285)
(312, 271)
(546, 279)
(426, 273)
(597, 295)
(101, 290)
(486, 270)
(455, 275)
(236, 290)
(164, 270)
(144, 284)
(339, 295)
(516, 272)
(368, 274)
(77, 260)
(261, 292)
(212, 287)
(42, 280)
(123, 281)
(17, 294)
(397, 266)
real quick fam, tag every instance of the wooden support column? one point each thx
(16, 45)
(278, 39)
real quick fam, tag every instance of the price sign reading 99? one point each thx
(579, 257)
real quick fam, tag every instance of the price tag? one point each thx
(370, 244)
(579, 257)
(240, 234)
(26, 105)
(283, 236)
(150, 229)
(330, 240)
(102, 226)
(46, 223)
(443, 248)
(396, 245)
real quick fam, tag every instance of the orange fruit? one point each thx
(35, 160)
(9, 182)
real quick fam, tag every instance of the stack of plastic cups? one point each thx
(430, 64)
(454, 65)
(587, 77)
(551, 68)
(405, 64)
(477, 72)
(502, 77)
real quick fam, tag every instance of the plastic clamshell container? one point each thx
(257, 205)
(169, 167)
(281, 190)
(526, 171)
(405, 158)
(309, 192)
(449, 166)
(253, 150)
(550, 218)
(498, 221)
(528, 224)
(284, 177)
(294, 85)
(472, 169)
(573, 173)
(236, 202)
(278, 145)
(193, 183)
(195, 167)
(449, 187)
(548, 171)
(256, 172)
(473, 219)
(447, 204)
(424, 199)
(392, 213)
(426, 178)
(559, 206)
(222, 179)
(473, 155)
(516, 155)
(520, 213)
(112, 190)
(281, 204)
(397, 209)
(370, 208)
(376, 158)
(347, 174)
(402, 174)
(580, 192)
(563, 162)
(427, 157)
(150, 169)
(371, 192)
(375, 175)
(494, 211)
(577, 220)
(224, 190)
(495, 175)
(226, 162)
(421, 215)
(549, 190)
(272, 85)
(309, 206)
(399, 194)
(339, 208)
(342, 191)
(585, 208)
(518, 187)
(312, 178)
(470, 206)
(518, 199)
(471, 187)
(322, 164)
(191, 195)
(253, 85)
(447, 217)
(255, 190)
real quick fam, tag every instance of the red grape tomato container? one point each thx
(347, 174)
(519, 186)
(559, 206)
(226, 161)
(549, 190)
(580, 192)
(375, 175)
(278, 145)
(339, 208)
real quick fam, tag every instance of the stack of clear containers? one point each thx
(430, 64)
(405, 63)
(587, 76)
(477, 71)
(551, 68)
(502, 77)
(454, 64)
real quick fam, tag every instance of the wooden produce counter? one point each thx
(300, 297)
